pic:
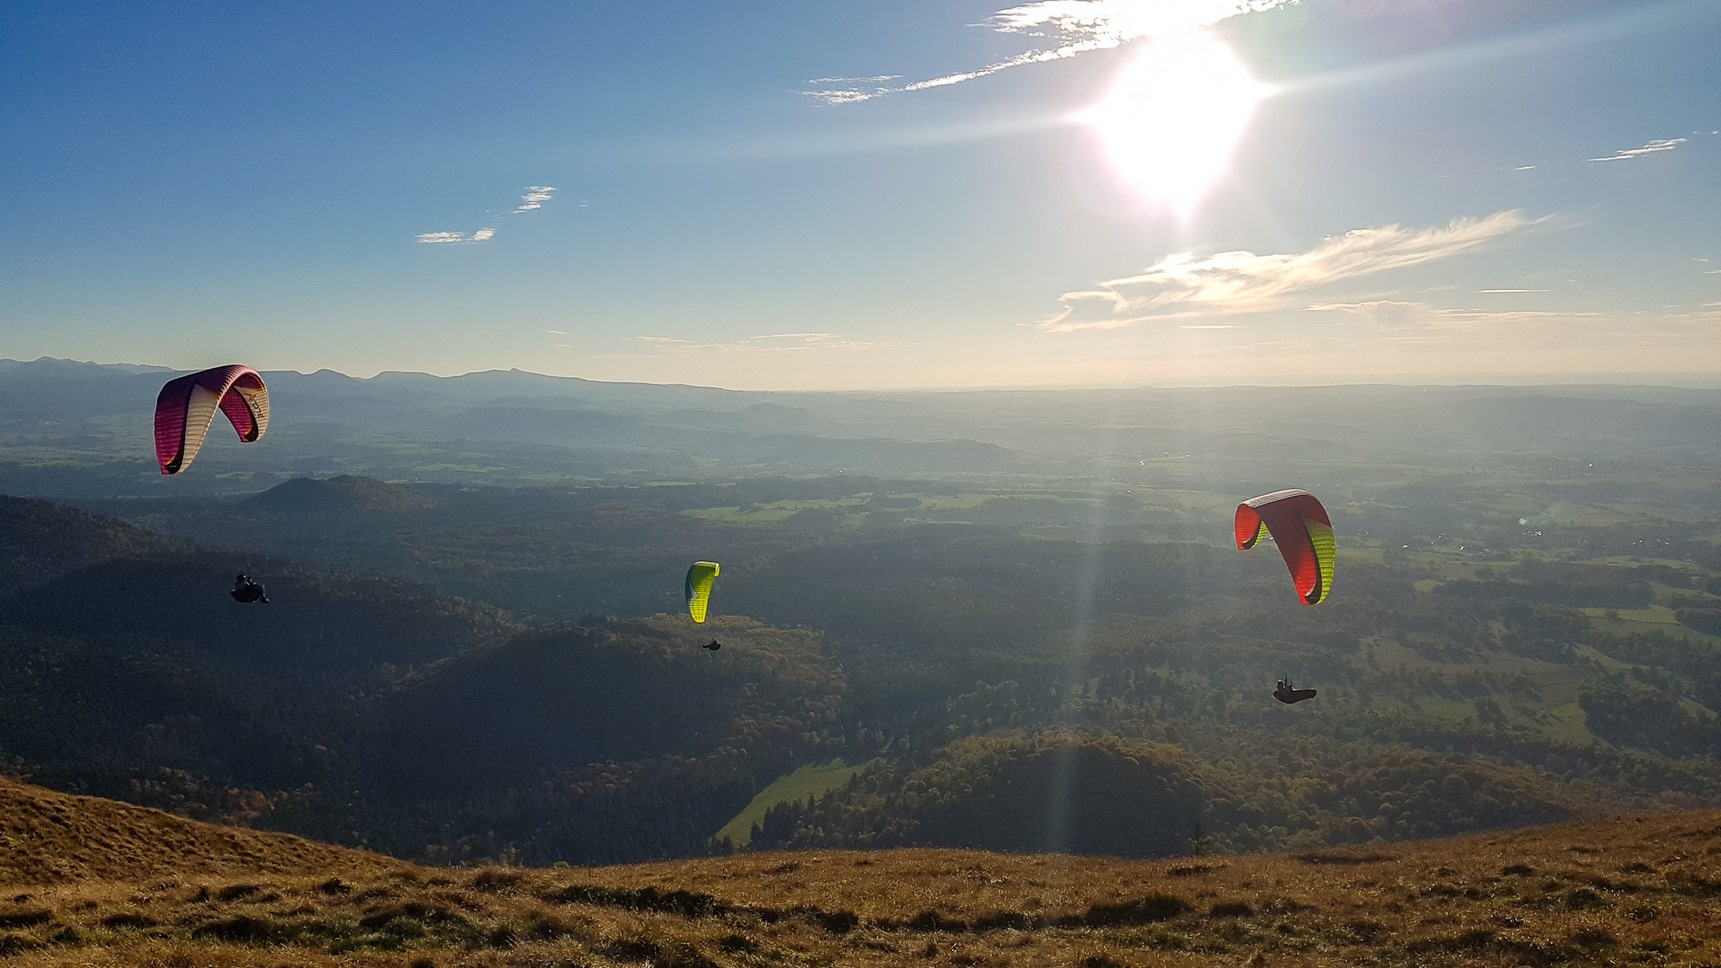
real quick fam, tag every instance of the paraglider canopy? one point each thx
(186, 407)
(698, 588)
(1300, 527)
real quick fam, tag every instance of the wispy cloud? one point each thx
(767, 343)
(534, 198)
(1396, 315)
(1184, 285)
(457, 238)
(1069, 28)
(1498, 292)
(1626, 154)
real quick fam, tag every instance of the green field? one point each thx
(812, 780)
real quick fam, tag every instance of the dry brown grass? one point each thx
(1635, 890)
(48, 837)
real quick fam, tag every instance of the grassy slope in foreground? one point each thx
(1622, 891)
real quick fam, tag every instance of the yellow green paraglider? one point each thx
(699, 579)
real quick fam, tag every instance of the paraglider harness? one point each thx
(1287, 693)
(246, 590)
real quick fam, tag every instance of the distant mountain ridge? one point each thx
(508, 426)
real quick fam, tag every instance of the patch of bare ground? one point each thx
(1626, 891)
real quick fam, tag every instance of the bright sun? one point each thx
(1173, 116)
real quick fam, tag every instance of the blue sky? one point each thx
(789, 195)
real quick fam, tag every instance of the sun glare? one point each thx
(1173, 115)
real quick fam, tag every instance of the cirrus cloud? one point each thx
(1226, 283)
(457, 238)
(1072, 28)
(532, 199)
(1654, 147)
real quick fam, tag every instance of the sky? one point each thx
(775, 194)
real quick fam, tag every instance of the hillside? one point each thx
(344, 492)
(40, 540)
(59, 838)
(117, 884)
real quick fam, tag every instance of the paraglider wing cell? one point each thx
(185, 409)
(699, 578)
(1300, 527)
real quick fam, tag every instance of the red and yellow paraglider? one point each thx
(186, 408)
(1300, 527)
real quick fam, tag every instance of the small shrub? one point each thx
(25, 917)
(17, 942)
(684, 955)
(738, 944)
(1003, 921)
(492, 880)
(1146, 909)
(1231, 909)
(638, 948)
(1366, 929)
(930, 920)
(836, 922)
(542, 926)
(1344, 857)
(502, 936)
(241, 928)
(1192, 870)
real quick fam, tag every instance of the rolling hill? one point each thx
(97, 882)
(60, 838)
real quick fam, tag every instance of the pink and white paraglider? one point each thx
(186, 408)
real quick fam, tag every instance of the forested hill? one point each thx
(374, 711)
(126, 669)
(343, 492)
(40, 540)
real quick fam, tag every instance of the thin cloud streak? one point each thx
(1227, 283)
(457, 238)
(1075, 27)
(1396, 315)
(534, 198)
(1654, 147)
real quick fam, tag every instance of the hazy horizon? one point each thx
(1671, 380)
